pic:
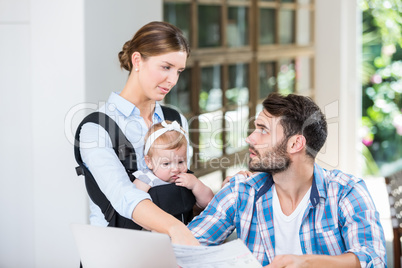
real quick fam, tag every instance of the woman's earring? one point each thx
(136, 69)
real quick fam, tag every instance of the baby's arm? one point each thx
(141, 185)
(203, 194)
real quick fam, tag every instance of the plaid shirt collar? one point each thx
(262, 183)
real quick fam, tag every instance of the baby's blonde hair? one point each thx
(168, 141)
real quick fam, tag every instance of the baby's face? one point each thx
(167, 164)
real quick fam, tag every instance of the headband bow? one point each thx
(174, 126)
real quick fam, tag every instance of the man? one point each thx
(292, 212)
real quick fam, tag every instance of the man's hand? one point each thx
(345, 260)
(289, 261)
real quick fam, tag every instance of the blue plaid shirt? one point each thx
(341, 217)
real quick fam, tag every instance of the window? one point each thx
(242, 50)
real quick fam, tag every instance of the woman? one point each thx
(154, 57)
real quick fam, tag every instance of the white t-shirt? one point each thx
(286, 228)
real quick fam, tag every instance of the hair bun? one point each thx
(125, 58)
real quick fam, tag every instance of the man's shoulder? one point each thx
(337, 179)
(241, 187)
(341, 177)
(335, 183)
(254, 181)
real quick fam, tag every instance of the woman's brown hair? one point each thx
(153, 39)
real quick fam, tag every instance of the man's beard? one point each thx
(273, 161)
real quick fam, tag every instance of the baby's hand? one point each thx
(186, 180)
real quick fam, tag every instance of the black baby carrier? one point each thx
(175, 200)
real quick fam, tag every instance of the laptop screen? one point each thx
(117, 247)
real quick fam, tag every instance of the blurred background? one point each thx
(58, 62)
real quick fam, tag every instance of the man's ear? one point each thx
(148, 162)
(297, 143)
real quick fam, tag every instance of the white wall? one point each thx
(57, 71)
(51, 53)
(337, 81)
(108, 25)
(16, 154)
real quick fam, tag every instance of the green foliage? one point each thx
(382, 83)
(382, 116)
(370, 166)
(386, 19)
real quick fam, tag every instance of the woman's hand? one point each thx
(151, 217)
(181, 235)
(245, 173)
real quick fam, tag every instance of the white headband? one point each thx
(166, 127)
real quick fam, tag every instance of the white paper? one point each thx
(233, 254)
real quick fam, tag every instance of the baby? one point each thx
(165, 155)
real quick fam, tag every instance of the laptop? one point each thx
(117, 247)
